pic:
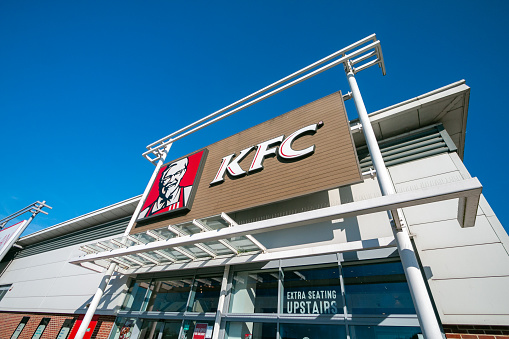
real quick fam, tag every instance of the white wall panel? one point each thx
(29, 289)
(374, 225)
(475, 296)
(486, 260)
(75, 285)
(448, 233)
(64, 303)
(21, 304)
(46, 282)
(422, 168)
(433, 212)
(436, 180)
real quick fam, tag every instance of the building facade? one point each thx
(289, 238)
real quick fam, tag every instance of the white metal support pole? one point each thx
(422, 302)
(220, 305)
(160, 162)
(35, 208)
(95, 302)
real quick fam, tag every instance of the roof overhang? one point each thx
(447, 105)
(116, 211)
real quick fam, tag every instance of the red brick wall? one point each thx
(9, 322)
(476, 332)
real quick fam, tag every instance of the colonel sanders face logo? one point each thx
(174, 186)
(169, 185)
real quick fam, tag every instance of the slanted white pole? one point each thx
(137, 211)
(95, 302)
(422, 302)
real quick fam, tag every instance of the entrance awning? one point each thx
(221, 237)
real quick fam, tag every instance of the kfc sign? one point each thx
(264, 149)
(174, 187)
(289, 156)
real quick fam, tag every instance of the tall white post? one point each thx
(220, 304)
(422, 302)
(95, 302)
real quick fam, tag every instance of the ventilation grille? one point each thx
(418, 144)
(89, 234)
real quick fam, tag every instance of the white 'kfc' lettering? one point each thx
(263, 149)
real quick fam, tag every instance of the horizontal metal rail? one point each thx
(33, 208)
(363, 53)
(461, 189)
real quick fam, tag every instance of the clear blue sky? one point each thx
(86, 85)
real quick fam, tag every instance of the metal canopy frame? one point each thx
(34, 208)
(183, 240)
(367, 52)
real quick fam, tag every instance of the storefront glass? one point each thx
(205, 294)
(170, 295)
(300, 331)
(377, 289)
(136, 296)
(384, 332)
(251, 330)
(157, 329)
(310, 300)
(254, 292)
(197, 330)
(312, 290)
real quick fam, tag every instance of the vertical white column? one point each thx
(95, 302)
(422, 302)
(220, 304)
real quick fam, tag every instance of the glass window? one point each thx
(65, 329)
(254, 292)
(197, 329)
(3, 290)
(170, 295)
(250, 330)
(40, 329)
(312, 290)
(205, 294)
(377, 289)
(20, 327)
(383, 332)
(123, 328)
(300, 331)
(158, 329)
(137, 295)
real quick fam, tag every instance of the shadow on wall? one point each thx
(340, 230)
(110, 294)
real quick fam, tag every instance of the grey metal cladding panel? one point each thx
(411, 146)
(89, 234)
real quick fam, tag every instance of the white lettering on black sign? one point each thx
(264, 149)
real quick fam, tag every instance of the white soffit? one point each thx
(447, 105)
(121, 209)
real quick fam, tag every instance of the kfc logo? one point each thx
(174, 186)
(284, 152)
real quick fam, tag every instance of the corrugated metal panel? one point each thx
(89, 234)
(411, 146)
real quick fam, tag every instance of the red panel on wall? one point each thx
(90, 329)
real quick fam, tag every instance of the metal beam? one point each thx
(233, 223)
(223, 242)
(351, 246)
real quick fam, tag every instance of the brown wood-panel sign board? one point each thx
(294, 170)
